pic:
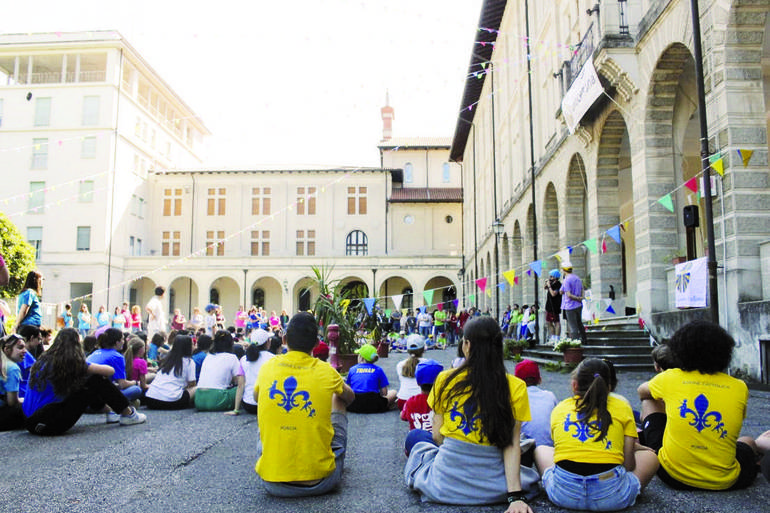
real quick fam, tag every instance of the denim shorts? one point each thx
(613, 490)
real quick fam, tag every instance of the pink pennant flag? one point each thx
(692, 184)
(516, 280)
(482, 284)
(604, 246)
(440, 306)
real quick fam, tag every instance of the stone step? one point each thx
(596, 352)
(619, 366)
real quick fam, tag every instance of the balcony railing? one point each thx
(55, 77)
(584, 52)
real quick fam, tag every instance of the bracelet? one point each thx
(517, 496)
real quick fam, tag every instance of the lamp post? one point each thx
(374, 283)
(498, 228)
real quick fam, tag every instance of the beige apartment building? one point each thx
(118, 199)
(612, 168)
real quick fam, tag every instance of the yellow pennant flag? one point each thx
(745, 156)
(719, 166)
(510, 276)
(489, 291)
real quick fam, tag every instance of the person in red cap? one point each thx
(541, 403)
(321, 351)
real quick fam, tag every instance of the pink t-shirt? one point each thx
(240, 319)
(140, 368)
(275, 322)
(136, 321)
(127, 317)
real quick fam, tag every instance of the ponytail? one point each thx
(593, 378)
(410, 366)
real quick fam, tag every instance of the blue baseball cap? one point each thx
(555, 273)
(426, 372)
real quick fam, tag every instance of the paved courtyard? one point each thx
(204, 462)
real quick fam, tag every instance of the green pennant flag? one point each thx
(428, 295)
(667, 202)
(591, 244)
(387, 312)
(471, 298)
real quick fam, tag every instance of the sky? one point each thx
(290, 83)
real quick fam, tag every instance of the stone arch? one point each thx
(140, 291)
(394, 285)
(528, 282)
(518, 259)
(227, 293)
(183, 293)
(614, 272)
(576, 216)
(505, 264)
(551, 239)
(269, 290)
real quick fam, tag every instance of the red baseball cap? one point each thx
(527, 369)
(322, 349)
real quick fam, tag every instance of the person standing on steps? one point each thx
(572, 303)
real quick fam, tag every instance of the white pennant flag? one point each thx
(397, 300)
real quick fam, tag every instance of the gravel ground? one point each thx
(202, 462)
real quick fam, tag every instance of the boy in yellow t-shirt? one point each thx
(301, 411)
(693, 414)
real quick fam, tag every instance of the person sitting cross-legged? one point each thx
(301, 412)
(693, 414)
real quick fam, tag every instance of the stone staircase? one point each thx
(619, 339)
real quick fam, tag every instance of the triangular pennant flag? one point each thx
(501, 286)
(719, 166)
(510, 276)
(472, 298)
(529, 272)
(667, 202)
(387, 312)
(563, 255)
(537, 267)
(591, 245)
(614, 232)
(369, 303)
(482, 284)
(428, 295)
(489, 292)
(569, 250)
(456, 302)
(440, 307)
(692, 184)
(745, 156)
(516, 280)
(604, 246)
(397, 300)
(610, 309)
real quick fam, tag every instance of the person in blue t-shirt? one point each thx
(110, 344)
(28, 304)
(63, 385)
(32, 340)
(11, 355)
(370, 384)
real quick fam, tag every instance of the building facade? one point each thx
(610, 190)
(118, 199)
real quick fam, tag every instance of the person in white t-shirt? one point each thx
(415, 346)
(174, 385)
(156, 317)
(256, 356)
(221, 384)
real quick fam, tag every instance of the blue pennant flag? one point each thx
(501, 286)
(537, 267)
(610, 309)
(369, 303)
(614, 232)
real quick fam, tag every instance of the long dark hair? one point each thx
(592, 385)
(174, 360)
(484, 375)
(63, 365)
(34, 281)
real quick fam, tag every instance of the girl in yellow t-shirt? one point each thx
(596, 463)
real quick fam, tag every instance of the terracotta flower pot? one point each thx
(573, 355)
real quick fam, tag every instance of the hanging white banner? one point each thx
(692, 283)
(583, 92)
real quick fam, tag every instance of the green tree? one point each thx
(19, 256)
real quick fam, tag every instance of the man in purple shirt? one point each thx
(572, 303)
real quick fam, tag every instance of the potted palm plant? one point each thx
(336, 312)
(571, 348)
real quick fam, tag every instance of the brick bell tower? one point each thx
(388, 115)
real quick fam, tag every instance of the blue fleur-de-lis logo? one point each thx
(682, 281)
(289, 398)
(585, 431)
(467, 422)
(701, 417)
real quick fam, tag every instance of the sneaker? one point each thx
(133, 418)
(112, 417)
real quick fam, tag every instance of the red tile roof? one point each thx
(427, 195)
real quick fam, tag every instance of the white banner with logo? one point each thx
(583, 92)
(692, 283)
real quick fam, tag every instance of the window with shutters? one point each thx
(172, 202)
(215, 243)
(305, 242)
(306, 200)
(216, 201)
(260, 243)
(171, 243)
(356, 200)
(260, 201)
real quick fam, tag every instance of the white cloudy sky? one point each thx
(289, 82)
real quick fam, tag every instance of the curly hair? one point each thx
(702, 346)
(63, 365)
(485, 377)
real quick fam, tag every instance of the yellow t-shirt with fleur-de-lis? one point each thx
(460, 416)
(294, 415)
(704, 415)
(576, 440)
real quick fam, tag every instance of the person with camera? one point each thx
(553, 304)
